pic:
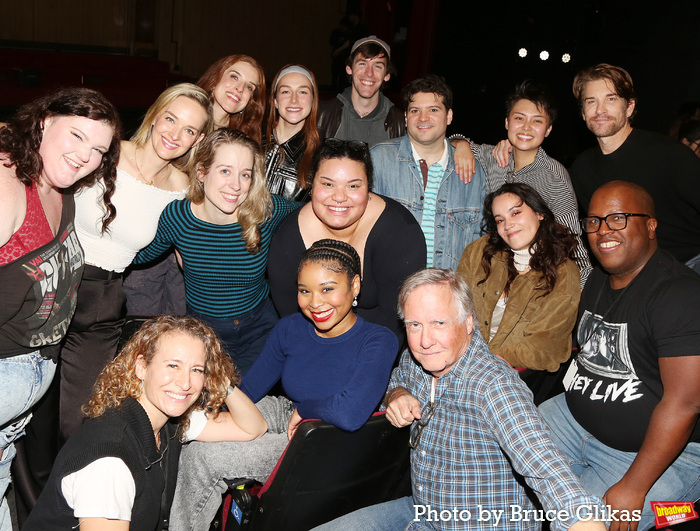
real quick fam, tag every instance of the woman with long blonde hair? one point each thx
(149, 176)
(118, 471)
(292, 133)
(223, 232)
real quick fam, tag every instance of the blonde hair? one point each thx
(118, 380)
(257, 206)
(169, 95)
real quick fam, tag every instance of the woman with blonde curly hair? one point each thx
(173, 368)
(236, 85)
(223, 232)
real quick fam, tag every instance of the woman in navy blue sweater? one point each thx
(333, 365)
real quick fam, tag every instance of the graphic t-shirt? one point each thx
(614, 384)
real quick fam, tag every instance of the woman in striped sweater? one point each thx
(223, 232)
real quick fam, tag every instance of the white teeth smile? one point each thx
(233, 97)
(175, 395)
(229, 197)
(368, 83)
(608, 245)
(72, 163)
(169, 144)
(321, 315)
(525, 137)
(338, 209)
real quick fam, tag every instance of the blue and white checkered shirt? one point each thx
(485, 434)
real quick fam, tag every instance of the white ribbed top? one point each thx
(138, 209)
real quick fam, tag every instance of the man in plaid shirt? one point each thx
(476, 438)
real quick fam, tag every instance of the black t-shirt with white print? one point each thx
(614, 384)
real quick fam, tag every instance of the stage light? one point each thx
(565, 58)
(522, 52)
(544, 55)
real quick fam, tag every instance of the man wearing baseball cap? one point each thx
(361, 112)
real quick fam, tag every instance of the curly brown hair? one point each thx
(553, 243)
(21, 138)
(250, 120)
(118, 379)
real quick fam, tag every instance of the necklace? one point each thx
(143, 177)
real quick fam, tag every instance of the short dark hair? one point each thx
(534, 92)
(334, 148)
(618, 77)
(430, 84)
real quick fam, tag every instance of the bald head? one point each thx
(623, 253)
(640, 196)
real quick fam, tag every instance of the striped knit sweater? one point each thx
(222, 279)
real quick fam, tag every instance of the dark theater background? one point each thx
(132, 49)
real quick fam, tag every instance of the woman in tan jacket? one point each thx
(524, 282)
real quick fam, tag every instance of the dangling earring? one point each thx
(354, 302)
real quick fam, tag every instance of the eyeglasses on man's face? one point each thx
(614, 221)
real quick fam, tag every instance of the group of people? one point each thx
(295, 243)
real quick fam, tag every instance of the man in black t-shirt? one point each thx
(632, 396)
(665, 168)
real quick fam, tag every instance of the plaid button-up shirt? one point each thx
(486, 436)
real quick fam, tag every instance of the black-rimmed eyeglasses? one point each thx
(419, 424)
(615, 221)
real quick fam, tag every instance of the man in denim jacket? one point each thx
(418, 171)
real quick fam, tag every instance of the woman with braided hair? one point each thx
(332, 364)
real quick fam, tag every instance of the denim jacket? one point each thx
(459, 205)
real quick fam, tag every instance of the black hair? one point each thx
(553, 243)
(334, 148)
(537, 94)
(430, 84)
(338, 256)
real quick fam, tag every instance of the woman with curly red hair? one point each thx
(173, 368)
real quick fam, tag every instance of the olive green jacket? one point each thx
(535, 331)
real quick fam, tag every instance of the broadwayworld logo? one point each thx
(669, 513)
